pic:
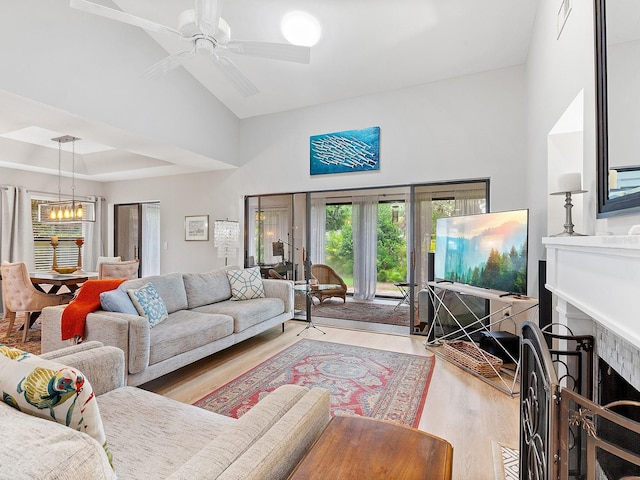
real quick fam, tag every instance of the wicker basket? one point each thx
(468, 355)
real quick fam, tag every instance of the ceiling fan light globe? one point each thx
(301, 28)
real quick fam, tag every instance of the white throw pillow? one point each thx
(246, 284)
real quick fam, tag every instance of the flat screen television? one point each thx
(487, 250)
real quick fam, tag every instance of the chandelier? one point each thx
(67, 211)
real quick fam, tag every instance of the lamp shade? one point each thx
(226, 237)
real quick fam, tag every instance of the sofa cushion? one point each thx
(117, 301)
(184, 331)
(247, 313)
(153, 436)
(148, 303)
(52, 391)
(169, 286)
(38, 448)
(245, 284)
(206, 288)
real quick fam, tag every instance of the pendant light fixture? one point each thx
(67, 211)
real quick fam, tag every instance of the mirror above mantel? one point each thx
(617, 66)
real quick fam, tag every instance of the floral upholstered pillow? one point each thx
(148, 303)
(246, 284)
(52, 391)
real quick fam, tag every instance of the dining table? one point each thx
(72, 281)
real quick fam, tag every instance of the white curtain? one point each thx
(16, 228)
(422, 238)
(365, 246)
(470, 202)
(276, 227)
(318, 230)
(150, 255)
(94, 237)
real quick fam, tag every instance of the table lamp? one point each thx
(568, 184)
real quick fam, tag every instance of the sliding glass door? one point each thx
(377, 240)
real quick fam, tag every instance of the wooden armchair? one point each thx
(326, 276)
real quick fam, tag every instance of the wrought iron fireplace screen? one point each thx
(563, 434)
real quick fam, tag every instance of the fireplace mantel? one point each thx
(599, 276)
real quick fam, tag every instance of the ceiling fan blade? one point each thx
(207, 15)
(167, 64)
(237, 78)
(277, 51)
(121, 16)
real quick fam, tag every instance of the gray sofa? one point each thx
(202, 320)
(151, 436)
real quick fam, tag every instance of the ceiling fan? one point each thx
(209, 35)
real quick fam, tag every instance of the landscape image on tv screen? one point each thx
(486, 250)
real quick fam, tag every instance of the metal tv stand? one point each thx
(510, 308)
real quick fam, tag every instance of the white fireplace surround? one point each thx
(596, 282)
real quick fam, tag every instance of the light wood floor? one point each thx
(459, 407)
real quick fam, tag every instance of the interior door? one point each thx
(137, 235)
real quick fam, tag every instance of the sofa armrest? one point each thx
(103, 366)
(266, 442)
(51, 319)
(129, 333)
(62, 352)
(283, 289)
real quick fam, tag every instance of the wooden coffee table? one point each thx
(364, 448)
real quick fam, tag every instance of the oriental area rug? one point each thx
(362, 312)
(361, 381)
(32, 345)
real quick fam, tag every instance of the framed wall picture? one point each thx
(345, 152)
(196, 228)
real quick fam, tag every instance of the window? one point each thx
(67, 251)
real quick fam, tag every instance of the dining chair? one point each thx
(102, 260)
(127, 269)
(20, 296)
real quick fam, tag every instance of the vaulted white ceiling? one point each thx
(366, 47)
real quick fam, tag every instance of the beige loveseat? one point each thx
(153, 437)
(203, 319)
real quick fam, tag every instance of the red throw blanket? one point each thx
(75, 314)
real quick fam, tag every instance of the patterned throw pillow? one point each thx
(245, 284)
(148, 303)
(52, 391)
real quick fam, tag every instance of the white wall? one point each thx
(470, 127)
(557, 69)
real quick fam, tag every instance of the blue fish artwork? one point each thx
(348, 151)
